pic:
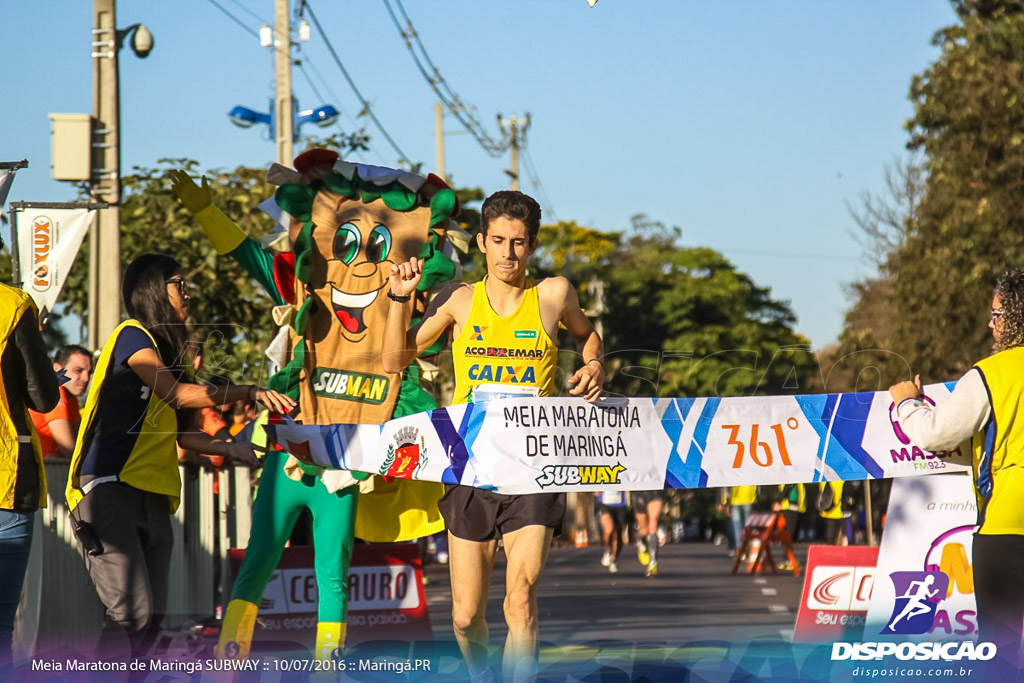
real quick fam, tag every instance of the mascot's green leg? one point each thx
(279, 501)
(334, 516)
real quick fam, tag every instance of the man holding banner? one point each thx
(504, 330)
(985, 404)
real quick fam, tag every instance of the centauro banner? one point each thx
(534, 445)
(48, 241)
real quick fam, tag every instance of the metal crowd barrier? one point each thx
(60, 612)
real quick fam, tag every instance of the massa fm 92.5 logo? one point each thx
(911, 453)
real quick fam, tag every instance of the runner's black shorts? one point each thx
(640, 499)
(619, 513)
(474, 514)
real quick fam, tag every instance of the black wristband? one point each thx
(402, 299)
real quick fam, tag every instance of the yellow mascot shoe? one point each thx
(236, 632)
(330, 636)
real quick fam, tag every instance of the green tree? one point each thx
(680, 321)
(864, 359)
(230, 314)
(969, 124)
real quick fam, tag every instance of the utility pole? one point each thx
(105, 241)
(439, 139)
(283, 107)
(517, 135)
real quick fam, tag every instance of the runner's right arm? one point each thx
(403, 343)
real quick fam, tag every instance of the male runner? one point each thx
(506, 311)
(647, 507)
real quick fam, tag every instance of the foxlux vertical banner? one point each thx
(924, 586)
(48, 240)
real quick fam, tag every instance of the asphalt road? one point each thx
(694, 602)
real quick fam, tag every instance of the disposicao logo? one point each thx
(918, 595)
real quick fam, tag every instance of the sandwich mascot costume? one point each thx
(341, 227)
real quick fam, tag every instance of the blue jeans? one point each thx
(738, 517)
(15, 543)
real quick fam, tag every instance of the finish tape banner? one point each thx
(536, 445)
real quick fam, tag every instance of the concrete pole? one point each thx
(516, 132)
(439, 139)
(283, 109)
(514, 152)
(105, 241)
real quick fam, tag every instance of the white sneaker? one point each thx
(613, 568)
(606, 559)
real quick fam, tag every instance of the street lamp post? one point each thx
(244, 117)
(284, 126)
(105, 175)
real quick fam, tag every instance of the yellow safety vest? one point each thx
(999, 448)
(836, 511)
(801, 498)
(743, 495)
(152, 464)
(13, 304)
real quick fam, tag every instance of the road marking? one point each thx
(769, 591)
(778, 609)
(760, 582)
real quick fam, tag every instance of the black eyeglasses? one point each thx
(180, 283)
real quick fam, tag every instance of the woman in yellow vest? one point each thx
(792, 506)
(830, 513)
(124, 483)
(26, 381)
(986, 404)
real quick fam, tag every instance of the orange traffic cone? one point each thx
(753, 551)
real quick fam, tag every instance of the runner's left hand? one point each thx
(587, 381)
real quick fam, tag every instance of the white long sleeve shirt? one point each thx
(944, 427)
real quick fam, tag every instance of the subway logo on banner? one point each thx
(350, 386)
(567, 475)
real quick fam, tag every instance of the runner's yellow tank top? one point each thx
(514, 350)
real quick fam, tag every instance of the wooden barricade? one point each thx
(761, 530)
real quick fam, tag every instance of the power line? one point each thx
(248, 11)
(531, 168)
(320, 97)
(439, 85)
(334, 97)
(366, 105)
(235, 19)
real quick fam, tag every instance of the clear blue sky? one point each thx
(747, 123)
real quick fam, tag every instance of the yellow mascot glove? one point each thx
(225, 235)
(194, 198)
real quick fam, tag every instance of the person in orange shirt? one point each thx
(242, 413)
(59, 427)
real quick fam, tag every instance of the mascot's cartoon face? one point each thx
(356, 245)
(349, 224)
